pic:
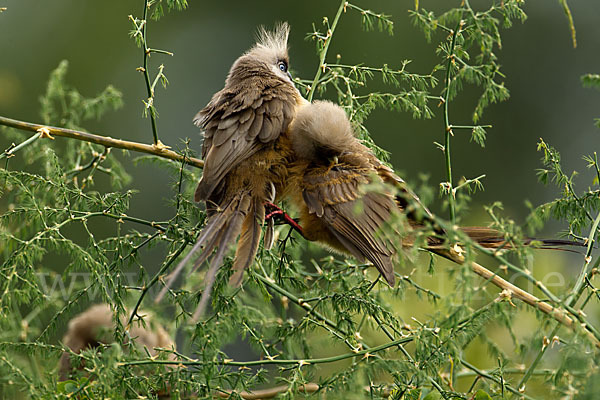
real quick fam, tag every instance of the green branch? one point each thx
(448, 127)
(365, 353)
(330, 31)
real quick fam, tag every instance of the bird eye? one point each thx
(282, 66)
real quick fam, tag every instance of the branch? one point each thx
(273, 361)
(268, 393)
(157, 150)
(315, 82)
(558, 314)
(447, 126)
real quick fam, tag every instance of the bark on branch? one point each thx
(158, 149)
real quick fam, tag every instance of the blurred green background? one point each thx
(538, 58)
(543, 75)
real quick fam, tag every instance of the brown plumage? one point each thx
(326, 181)
(96, 325)
(245, 153)
(263, 141)
(329, 184)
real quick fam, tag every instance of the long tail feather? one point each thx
(492, 238)
(206, 240)
(249, 240)
(209, 239)
(232, 230)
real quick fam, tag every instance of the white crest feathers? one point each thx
(274, 40)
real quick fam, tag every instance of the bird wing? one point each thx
(354, 217)
(238, 122)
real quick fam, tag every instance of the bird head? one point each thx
(268, 57)
(321, 130)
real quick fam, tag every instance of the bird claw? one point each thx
(273, 211)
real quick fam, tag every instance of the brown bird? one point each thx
(95, 326)
(264, 142)
(326, 184)
(245, 152)
(346, 196)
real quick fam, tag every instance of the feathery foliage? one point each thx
(318, 326)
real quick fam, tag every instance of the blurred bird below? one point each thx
(96, 326)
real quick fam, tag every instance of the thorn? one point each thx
(45, 133)
(160, 146)
(545, 342)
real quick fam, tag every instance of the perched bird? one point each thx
(245, 152)
(95, 326)
(264, 142)
(346, 196)
(326, 181)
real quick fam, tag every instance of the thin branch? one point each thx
(448, 127)
(538, 358)
(569, 16)
(268, 393)
(157, 150)
(579, 284)
(147, 287)
(364, 353)
(558, 314)
(149, 89)
(487, 375)
(300, 302)
(10, 152)
(315, 83)
(469, 126)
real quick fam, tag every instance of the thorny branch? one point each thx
(51, 131)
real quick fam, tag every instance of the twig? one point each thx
(448, 127)
(569, 16)
(147, 287)
(486, 375)
(364, 353)
(268, 393)
(538, 358)
(315, 83)
(300, 302)
(579, 284)
(10, 152)
(149, 88)
(469, 126)
(558, 314)
(571, 299)
(160, 151)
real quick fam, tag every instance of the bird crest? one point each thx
(275, 40)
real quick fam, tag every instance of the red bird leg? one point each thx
(279, 213)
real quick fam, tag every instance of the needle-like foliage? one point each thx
(318, 325)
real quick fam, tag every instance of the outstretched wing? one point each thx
(238, 122)
(355, 218)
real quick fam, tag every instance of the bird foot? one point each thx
(274, 211)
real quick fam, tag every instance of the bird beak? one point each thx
(290, 76)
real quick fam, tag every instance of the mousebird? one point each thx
(263, 142)
(346, 196)
(245, 152)
(95, 327)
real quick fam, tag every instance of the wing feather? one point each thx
(238, 122)
(354, 218)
